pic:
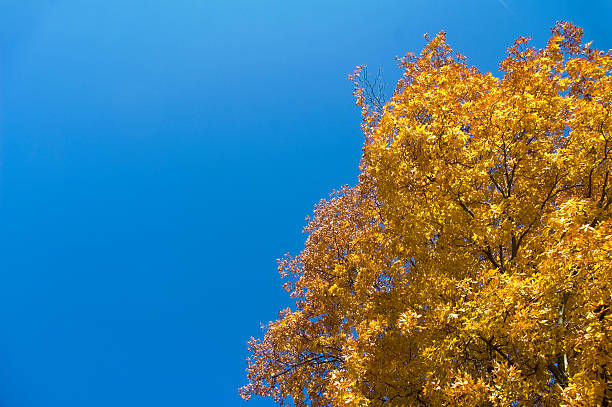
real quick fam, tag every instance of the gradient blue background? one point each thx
(158, 156)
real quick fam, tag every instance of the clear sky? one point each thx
(157, 157)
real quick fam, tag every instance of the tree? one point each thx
(471, 265)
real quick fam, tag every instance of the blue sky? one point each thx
(157, 157)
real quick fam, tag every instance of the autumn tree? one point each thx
(471, 265)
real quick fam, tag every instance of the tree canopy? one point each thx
(471, 264)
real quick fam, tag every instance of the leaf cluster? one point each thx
(471, 264)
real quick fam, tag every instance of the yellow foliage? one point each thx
(471, 265)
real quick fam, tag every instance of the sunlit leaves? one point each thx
(471, 264)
